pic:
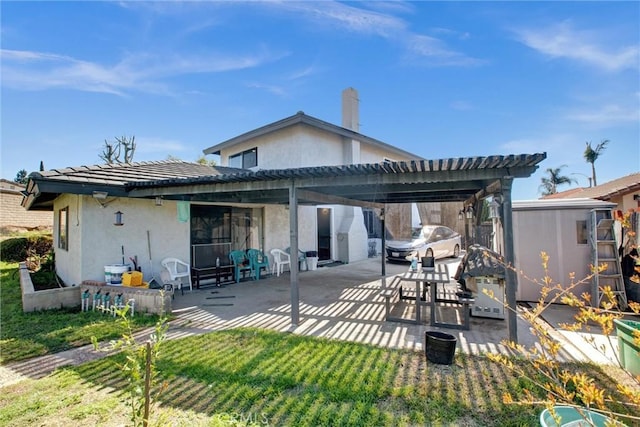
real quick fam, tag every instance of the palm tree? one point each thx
(591, 155)
(550, 183)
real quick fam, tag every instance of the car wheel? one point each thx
(456, 251)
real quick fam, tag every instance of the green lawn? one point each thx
(254, 377)
(248, 376)
(25, 335)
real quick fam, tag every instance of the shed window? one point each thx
(63, 228)
(581, 232)
(247, 159)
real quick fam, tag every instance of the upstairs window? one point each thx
(246, 160)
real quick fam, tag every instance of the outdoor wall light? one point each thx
(461, 215)
(494, 207)
(100, 195)
(469, 212)
(118, 219)
(101, 198)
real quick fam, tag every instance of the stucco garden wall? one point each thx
(46, 299)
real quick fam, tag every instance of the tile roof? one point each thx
(122, 173)
(617, 187)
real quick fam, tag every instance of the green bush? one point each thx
(17, 249)
(14, 249)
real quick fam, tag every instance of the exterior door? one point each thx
(324, 234)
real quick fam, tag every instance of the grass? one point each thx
(253, 377)
(26, 335)
(256, 377)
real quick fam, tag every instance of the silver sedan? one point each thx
(430, 240)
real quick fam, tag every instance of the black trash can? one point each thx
(440, 347)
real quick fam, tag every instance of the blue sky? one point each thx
(438, 79)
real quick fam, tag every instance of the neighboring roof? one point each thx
(607, 191)
(12, 187)
(302, 118)
(554, 204)
(572, 192)
(454, 179)
(47, 185)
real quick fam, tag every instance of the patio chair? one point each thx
(241, 263)
(177, 270)
(302, 258)
(258, 261)
(280, 259)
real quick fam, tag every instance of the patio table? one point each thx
(422, 279)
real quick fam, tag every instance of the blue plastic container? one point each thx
(572, 417)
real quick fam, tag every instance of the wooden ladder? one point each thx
(604, 250)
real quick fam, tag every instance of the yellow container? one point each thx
(132, 278)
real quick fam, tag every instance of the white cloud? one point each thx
(305, 72)
(159, 145)
(563, 41)
(438, 52)
(136, 72)
(607, 115)
(384, 25)
(350, 18)
(276, 90)
(561, 146)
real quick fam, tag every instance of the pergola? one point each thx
(468, 180)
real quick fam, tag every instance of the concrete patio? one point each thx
(343, 302)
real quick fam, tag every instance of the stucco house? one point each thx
(152, 228)
(336, 232)
(623, 191)
(299, 182)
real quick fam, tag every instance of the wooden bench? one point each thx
(388, 294)
(222, 273)
(391, 291)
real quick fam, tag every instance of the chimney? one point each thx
(350, 109)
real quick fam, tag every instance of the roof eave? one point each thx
(301, 118)
(41, 192)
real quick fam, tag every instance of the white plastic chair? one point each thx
(280, 259)
(177, 270)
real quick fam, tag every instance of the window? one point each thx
(372, 223)
(247, 159)
(581, 232)
(63, 228)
